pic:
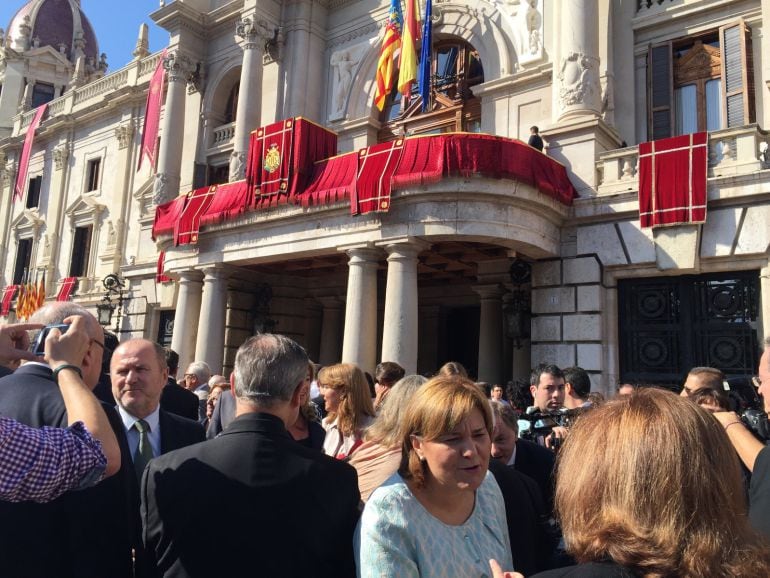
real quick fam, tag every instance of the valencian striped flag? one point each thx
(407, 63)
(391, 42)
(152, 114)
(425, 54)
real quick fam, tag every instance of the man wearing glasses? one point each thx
(36, 537)
(751, 451)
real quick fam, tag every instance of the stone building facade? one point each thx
(491, 272)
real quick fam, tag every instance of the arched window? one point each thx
(455, 69)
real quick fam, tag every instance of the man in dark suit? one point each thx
(81, 534)
(537, 462)
(138, 373)
(287, 510)
(176, 398)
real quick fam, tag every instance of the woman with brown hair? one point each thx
(306, 429)
(648, 485)
(442, 514)
(348, 406)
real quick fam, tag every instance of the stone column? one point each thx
(167, 178)
(249, 112)
(490, 333)
(764, 284)
(210, 344)
(330, 330)
(188, 309)
(360, 341)
(399, 332)
(579, 92)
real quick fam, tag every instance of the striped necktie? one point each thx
(143, 453)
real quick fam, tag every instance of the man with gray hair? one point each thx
(269, 489)
(196, 380)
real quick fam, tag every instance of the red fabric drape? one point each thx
(66, 289)
(167, 215)
(672, 180)
(281, 158)
(429, 159)
(333, 180)
(160, 275)
(26, 152)
(188, 225)
(376, 165)
(229, 201)
(8, 295)
(152, 114)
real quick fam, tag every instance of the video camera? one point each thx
(748, 405)
(541, 424)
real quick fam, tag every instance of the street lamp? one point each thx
(114, 286)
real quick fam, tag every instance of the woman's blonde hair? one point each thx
(436, 409)
(651, 482)
(356, 403)
(384, 430)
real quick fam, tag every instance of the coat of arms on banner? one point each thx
(272, 159)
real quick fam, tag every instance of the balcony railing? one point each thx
(133, 74)
(732, 151)
(223, 135)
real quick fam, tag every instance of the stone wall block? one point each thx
(561, 354)
(546, 273)
(546, 328)
(589, 298)
(554, 300)
(586, 327)
(589, 356)
(602, 240)
(582, 270)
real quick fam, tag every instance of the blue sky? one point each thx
(116, 25)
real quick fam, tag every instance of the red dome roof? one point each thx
(56, 22)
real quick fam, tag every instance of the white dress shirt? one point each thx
(153, 421)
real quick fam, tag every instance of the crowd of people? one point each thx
(328, 471)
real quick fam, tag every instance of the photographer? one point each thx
(752, 452)
(39, 464)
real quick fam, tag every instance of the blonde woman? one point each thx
(442, 514)
(349, 408)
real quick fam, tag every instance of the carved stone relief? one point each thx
(579, 81)
(344, 64)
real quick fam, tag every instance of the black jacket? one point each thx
(537, 462)
(179, 400)
(287, 510)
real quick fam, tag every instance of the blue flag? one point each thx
(423, 76)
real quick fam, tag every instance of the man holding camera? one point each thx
(81, 534)
(752, 452)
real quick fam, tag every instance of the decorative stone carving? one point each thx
(237, 165)
(178, 66)
(253, 33)
(343, 63)
(160, 190)
(528, 32)
(578, 79)
(124, 133)
(60, 155)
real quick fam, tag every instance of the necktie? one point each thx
(143, 453)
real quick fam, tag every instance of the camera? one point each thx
(756, 421)
(38, 346)
(541, 424)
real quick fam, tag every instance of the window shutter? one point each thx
(660, 79)
(737, 74)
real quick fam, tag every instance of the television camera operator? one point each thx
(558, 398)
(754, 454)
